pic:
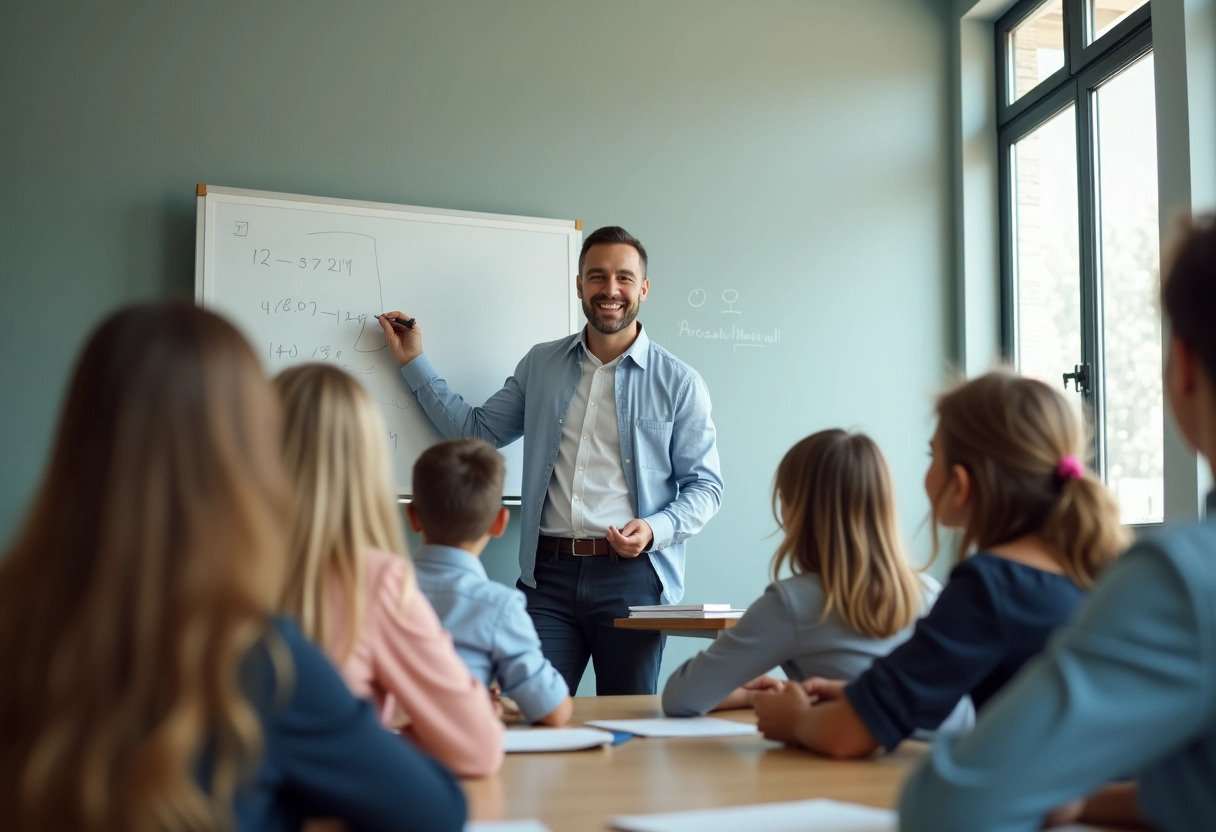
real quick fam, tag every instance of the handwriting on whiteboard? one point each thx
(709, 325)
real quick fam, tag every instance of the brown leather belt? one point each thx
(577, 546)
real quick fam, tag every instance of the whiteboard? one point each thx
(303, 278)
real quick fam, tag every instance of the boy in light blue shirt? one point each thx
(1127, 687)
(457, 508)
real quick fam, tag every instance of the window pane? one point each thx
(1128, 264)
(1036, 47)
(1104, 15)
(1046, 267)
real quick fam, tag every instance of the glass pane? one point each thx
(1128, 264)
(1104, 15)
(1036, 48)
(1046, 267)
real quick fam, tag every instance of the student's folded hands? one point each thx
(778, 712)
(823, 690)
(766, 683)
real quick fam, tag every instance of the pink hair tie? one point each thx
(1069, 468)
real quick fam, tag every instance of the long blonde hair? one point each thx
(335, 449)
(833, 498)
(1010, 433)
(142, 577)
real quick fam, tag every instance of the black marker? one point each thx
(400, 322)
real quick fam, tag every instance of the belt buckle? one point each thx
(574, 541)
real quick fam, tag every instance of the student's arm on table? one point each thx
(694, 466)
(832, 729)
(729, 673)
(921, 683)
(918, 685)
(500, 421)
(1122, 685)
(744, 696)
(451, 714)
(522, 670)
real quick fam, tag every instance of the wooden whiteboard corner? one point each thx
(578, 225)
(200, 189)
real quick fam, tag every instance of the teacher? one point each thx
(620, 466)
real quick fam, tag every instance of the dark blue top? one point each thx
(993, 615)
(326, 755)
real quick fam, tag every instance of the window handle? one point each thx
(1080, 378)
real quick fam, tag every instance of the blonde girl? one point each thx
(147, 685)
(351, 586)
(852, 595)
(1035, 528)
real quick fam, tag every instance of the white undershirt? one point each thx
(588, 492)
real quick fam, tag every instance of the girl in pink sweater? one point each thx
(351, 587)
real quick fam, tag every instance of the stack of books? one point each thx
(685, 611)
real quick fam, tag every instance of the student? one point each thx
(146, 683)
(852, 597)
(457, 507)
(1127, 687)
(351, 587)
(1005, 471)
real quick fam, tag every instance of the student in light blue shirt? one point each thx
(457, 508)
(1128, 687)
(620, 466)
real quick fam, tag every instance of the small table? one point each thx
(696, 627)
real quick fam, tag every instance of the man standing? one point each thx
(620, 467)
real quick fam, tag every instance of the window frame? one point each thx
(1086, 67)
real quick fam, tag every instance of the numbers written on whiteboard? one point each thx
(295, 306)
(337, 265)
(282, 350)
(325, 352)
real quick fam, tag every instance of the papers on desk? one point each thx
(505, 826)
(799, 816)
(697, 726)
(554, 739)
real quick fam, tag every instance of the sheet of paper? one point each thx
(697, 726)
(800, 816)
(505, 826)
(554, 739)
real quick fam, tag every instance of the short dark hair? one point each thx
(458, 490)
(609, 235)
(1188, 289)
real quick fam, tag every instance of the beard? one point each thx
(608, 325)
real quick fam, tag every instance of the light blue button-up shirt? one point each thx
(669, 446)
(491, 629)
(1126, 689)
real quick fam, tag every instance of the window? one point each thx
(1079, 228)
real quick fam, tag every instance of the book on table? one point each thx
(727, 613)
(682, 608)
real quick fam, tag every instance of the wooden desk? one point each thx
(579, 791)
(700, 627)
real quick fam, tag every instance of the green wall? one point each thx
(793, 153)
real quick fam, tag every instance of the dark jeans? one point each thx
(573, 605)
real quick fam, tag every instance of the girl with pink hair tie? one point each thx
(1127, 688)
(1034, 528)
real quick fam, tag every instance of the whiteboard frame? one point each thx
(209, 197)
